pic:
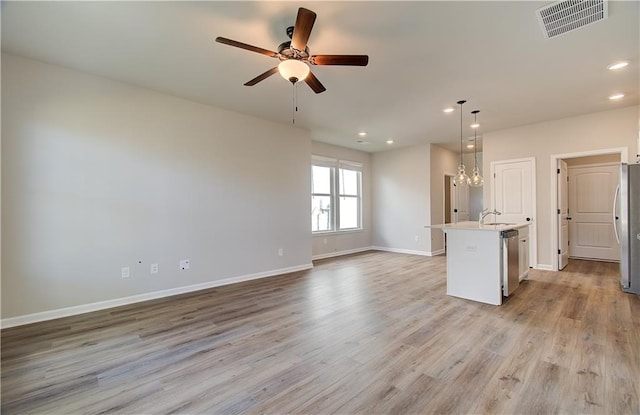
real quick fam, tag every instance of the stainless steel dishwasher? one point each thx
(510, 262)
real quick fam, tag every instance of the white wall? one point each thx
(588, 160)
(97, 175)
(603, 130)
(401, 199)
(327, 245)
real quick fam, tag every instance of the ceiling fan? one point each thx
(295, 57)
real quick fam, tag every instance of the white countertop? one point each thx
(476, 226)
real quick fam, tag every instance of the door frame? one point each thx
(533, 228)
(560, 165)
(447, 176)
(553, 205)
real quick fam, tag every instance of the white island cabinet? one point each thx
(523, 234)
(474, 259)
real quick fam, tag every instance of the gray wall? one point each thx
(442, 162)
(97, 175)
(401, 199)
(326, 245)
(602, 130)
(445, 162)
(475, 193)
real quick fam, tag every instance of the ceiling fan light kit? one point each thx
(293, 70)
(294, 54)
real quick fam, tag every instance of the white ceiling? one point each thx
(424, 56)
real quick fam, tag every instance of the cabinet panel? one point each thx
(524, 254)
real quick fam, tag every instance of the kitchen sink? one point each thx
(499, 223)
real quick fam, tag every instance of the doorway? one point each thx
(591, 196)
(456, 201)
(583, 187)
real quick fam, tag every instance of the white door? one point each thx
(591, 193)
(563, 214)
(513, 189)
(460, 202)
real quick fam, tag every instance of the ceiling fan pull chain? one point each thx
(294, 108)
(293, 102)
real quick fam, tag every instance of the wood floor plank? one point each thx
(366, 333)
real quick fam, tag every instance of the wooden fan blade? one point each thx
(302, 29)
(349, 60)
(241, 45)
(314, 84)
(261, 77)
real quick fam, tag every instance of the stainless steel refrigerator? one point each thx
(627, 226)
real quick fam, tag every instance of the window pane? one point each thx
(349, 213)
(321, 182)
(320, 213)
(349, 182)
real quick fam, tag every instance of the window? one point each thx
(336, 195)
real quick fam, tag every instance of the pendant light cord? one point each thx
(475, 138)
(461, 102)
(461, 133)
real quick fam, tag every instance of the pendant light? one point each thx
(476, 179)
(461, 178)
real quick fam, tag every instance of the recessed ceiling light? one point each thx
(616, 96)
(448, 110)
(389, 141)
(362, 133)
(617, 65)
(476, 125)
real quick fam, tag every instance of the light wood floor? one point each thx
(368, 333)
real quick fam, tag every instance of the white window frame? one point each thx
(335, 196)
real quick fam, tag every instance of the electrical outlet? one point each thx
(185, 264)
(125, 272)
(154, 268)
(280, 252)
(417, 238)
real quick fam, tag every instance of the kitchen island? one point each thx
(474, 259)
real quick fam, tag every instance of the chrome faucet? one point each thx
(486, 213)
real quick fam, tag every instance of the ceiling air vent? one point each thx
(564, 16)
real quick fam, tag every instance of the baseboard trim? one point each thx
(438, 252)
(102, 305)
(544, 267)
(341, 253)
(404, 251)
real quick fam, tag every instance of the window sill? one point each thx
(332, 233)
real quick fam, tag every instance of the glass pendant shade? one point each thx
(461, 178)
(293, 70)
(476, 180)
